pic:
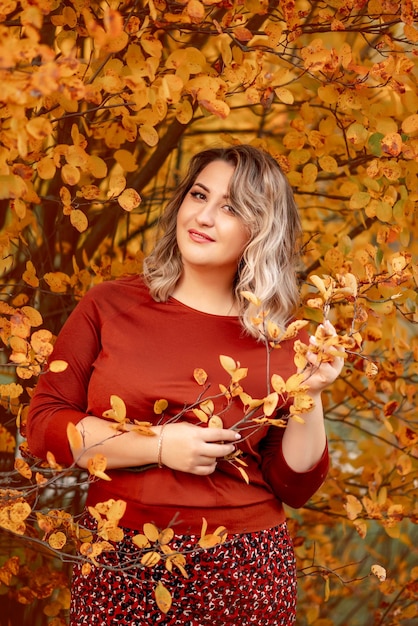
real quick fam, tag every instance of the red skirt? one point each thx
(250, 579)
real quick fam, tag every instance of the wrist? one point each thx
(160, 447)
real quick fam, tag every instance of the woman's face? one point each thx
(210, 234)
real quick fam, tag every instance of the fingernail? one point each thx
(237, 436)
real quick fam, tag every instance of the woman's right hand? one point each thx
(195, 449)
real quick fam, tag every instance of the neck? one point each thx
(210, 295)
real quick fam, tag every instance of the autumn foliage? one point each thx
(101, 106)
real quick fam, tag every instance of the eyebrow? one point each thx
(226, 196)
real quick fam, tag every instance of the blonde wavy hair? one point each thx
(262, 197)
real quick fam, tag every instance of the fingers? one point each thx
(219, 434)
(196, 449)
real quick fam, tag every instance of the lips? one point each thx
(199, 237)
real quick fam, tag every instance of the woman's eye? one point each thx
(229, 209)
(198, 195)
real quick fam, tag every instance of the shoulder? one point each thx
(114, 296)
(124, 288)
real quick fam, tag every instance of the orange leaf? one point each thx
(58, 366)
(200, 376)
(23, 468)
(162, 597)
(74, 437)
(79, 220)
(57, 540)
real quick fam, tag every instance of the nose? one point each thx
(206, 214)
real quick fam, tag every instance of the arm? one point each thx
(180, 446)
(295, 460)
(304, 443)
(63, 398)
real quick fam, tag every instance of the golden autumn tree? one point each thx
(101, 106)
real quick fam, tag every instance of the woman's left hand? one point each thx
(321, 372)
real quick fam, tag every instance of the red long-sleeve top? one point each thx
(119, 341)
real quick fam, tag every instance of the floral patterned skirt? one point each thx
(249, 579)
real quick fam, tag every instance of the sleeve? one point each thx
(292, 488)
(60, 398)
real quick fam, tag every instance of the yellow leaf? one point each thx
(116, 510)
(126, 160)
(353, 506)
(70, 175)
(151, 531)
(201, 415)
(117, 184)
(152, 46)
(215, 106)
(204, 527)
(293, 329)
(404, 464)
(184, 112)
(284, 95)
(162, 597)
(96, 166)
(270, 403)
(57, 281)
(58, 366)
(244, 474)
(371, 369)
(294, 383)
(196, 11)
(410, 124)
(361, 528)
(52, 461)
(228, 364)
(215, 422)
(160, 406)
(392, 144)
(129, 199)
(309, 174)
(148, 135)
(326, 590)
(165, 536)
(251, 297)
(29, 275)
(319, 283)
(379, 572)
(12, 186)
(40, 480)
(141, 541)
(118, 407)
(97, 465)
(239, 374)
(46, 168)
(207, 406)
(150, 559)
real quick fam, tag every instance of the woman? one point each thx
(231, 226)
